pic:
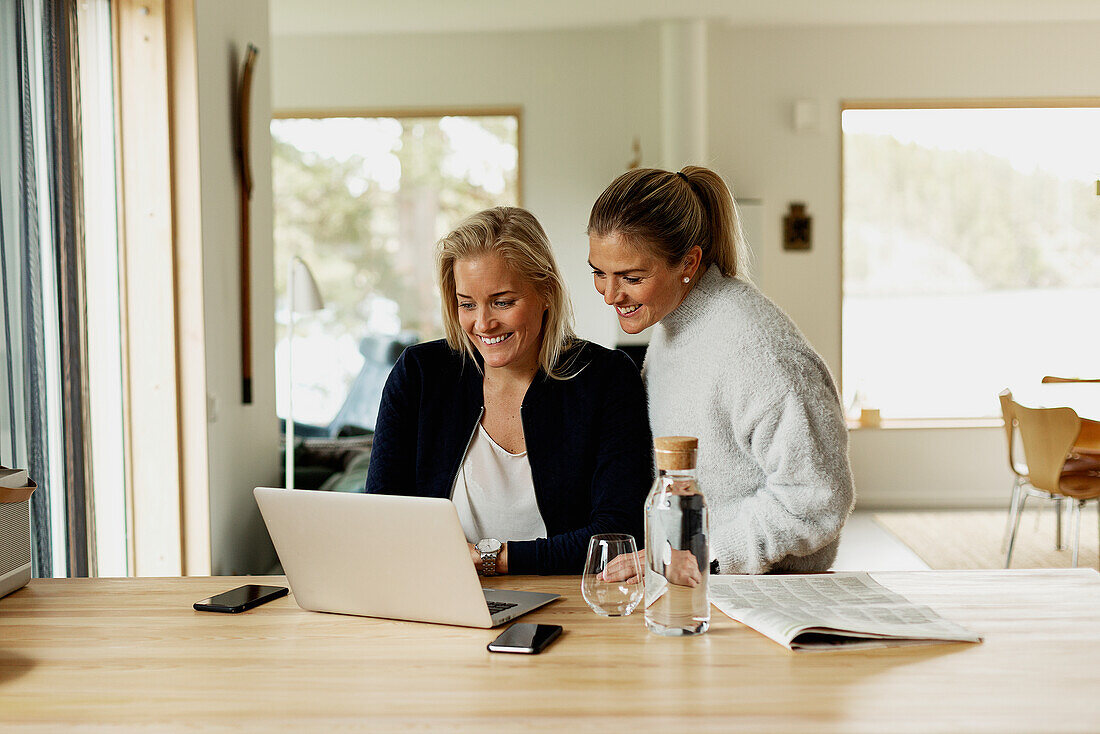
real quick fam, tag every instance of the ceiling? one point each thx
(321, 17)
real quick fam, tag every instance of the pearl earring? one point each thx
(687, 279)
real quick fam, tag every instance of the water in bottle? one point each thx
(676, 543)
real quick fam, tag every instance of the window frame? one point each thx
(515, 111)
(399, 112)
(927, 104)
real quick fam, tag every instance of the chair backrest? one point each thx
(1010, 426)
(1048, 435)
(1052, 378)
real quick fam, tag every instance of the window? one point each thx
(60, 361)
(363, 200)
(971, 245)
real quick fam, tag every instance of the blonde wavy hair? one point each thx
(514, 235)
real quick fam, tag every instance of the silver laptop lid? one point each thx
(375, 555)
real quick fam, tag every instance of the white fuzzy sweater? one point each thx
(729, 367)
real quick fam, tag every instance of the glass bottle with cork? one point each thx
(676, 543)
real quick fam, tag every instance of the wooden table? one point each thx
(1083, 397)
(131, 654)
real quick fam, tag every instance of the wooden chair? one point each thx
(1052, 378)
(1048, 435)
(1019, 472)
(1021, 487)
(1088, 441)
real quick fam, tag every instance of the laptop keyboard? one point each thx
(498, 606)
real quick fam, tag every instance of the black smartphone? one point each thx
(525, 637)
(241, 598)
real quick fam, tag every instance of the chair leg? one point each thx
(1058, 512)
(1015, 527)
(1012, 512)
(1076, 529)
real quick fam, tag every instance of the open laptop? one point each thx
(383, 556)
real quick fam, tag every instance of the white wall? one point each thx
(586, 94)
(243, 440)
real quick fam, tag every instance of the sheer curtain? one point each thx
(43, 407)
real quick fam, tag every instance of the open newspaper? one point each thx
(830, 611)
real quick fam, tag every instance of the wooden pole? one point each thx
(244, 104)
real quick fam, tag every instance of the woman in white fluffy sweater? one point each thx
(726, 365)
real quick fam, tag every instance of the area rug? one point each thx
(962, 539)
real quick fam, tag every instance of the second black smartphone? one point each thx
(241, 598)
(525, 637)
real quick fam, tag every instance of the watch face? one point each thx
(488, 545)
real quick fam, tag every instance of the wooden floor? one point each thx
(972, 539)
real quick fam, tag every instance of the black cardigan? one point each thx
(588, 443)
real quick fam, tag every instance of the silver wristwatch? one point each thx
(489, 548)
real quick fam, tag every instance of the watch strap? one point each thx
(489, 563)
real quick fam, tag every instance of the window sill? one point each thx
(899, 424)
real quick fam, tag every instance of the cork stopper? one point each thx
(675, 452)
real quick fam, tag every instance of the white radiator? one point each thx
(15, 545)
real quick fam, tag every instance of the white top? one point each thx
(729, 367)
(495, 493)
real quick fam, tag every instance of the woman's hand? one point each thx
(622, 568)
(682, 568)
(502, 558)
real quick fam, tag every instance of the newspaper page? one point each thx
(830, 611)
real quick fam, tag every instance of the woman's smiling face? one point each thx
(499, 311)
(642, 287)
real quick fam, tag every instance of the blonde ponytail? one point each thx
(669, 213)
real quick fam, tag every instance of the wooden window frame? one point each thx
(162, 296)
(396, 112)
(971, 103)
